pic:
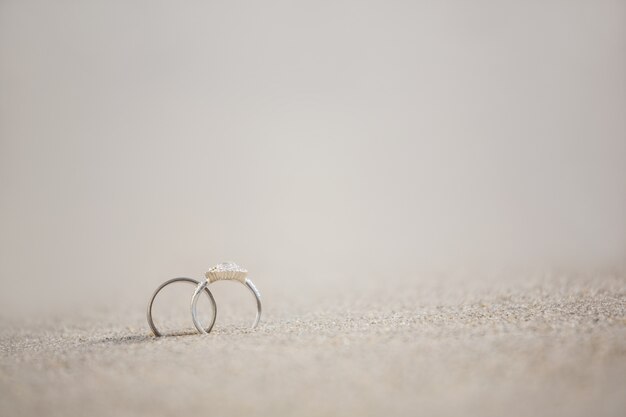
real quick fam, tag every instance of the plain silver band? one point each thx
(204, 284)
(171, 281)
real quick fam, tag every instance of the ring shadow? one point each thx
(139, 338)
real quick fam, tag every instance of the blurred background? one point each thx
(319, 144)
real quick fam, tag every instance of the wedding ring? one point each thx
(156, 332)
(225, 271)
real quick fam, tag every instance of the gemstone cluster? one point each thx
(226, 271)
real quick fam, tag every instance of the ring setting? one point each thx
(226, 271)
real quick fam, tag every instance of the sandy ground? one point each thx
(551, 347)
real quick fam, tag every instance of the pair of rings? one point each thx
(224, 271)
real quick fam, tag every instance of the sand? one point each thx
(543, 347)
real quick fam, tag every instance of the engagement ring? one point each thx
(224, 271)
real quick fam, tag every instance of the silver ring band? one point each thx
(203, 286)
(156, 332)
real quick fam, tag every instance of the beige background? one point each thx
(307, 140)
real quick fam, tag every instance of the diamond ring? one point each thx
(156, 332)
(225, 271)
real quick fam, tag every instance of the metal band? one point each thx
(171, 281)
(203, 286)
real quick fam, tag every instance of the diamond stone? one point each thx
(227, 271)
